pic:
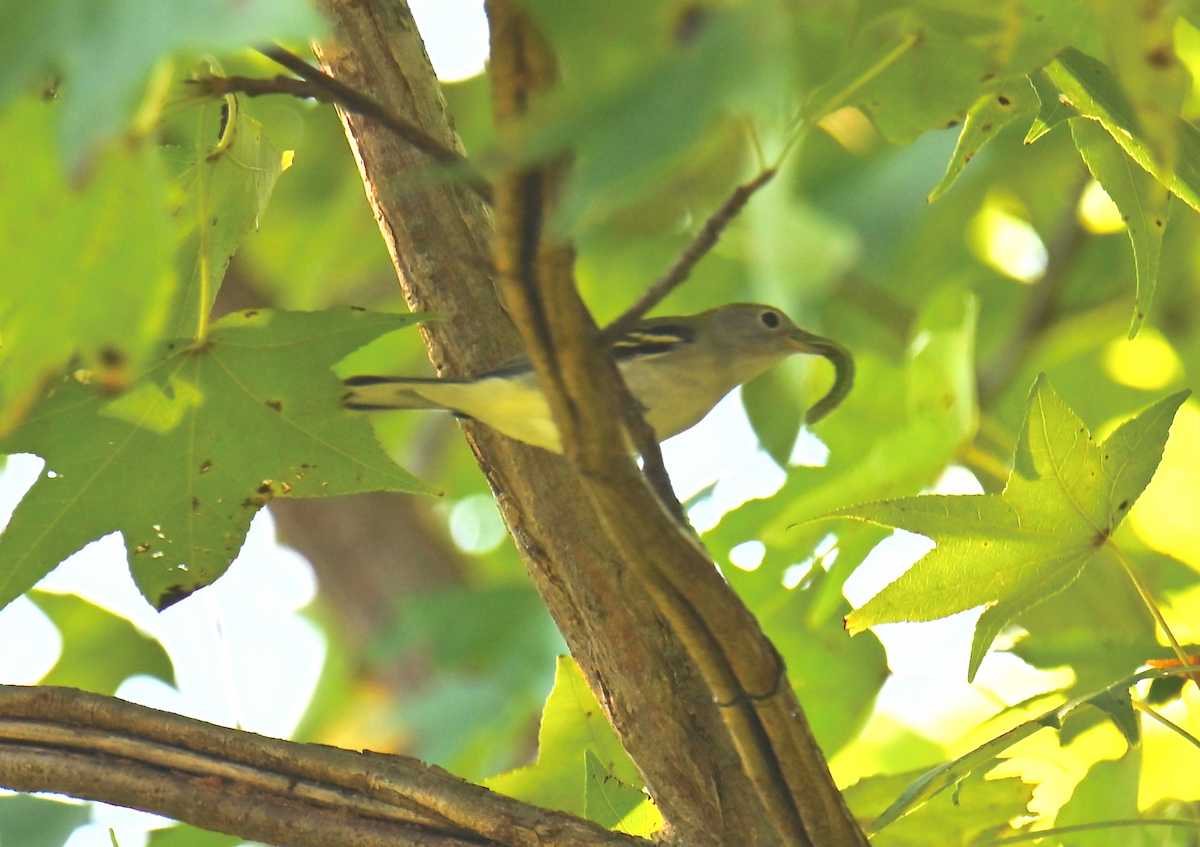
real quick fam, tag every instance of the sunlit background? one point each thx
(246, 654)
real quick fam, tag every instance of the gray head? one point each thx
(762, 335)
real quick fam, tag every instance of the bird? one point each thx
(677, 368)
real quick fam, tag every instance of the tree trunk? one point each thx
(643, 676)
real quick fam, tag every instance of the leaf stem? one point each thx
(1165, 721)
(1144, 592)
(1035, 835)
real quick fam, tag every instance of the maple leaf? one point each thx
(1008, 552)
(203, 439)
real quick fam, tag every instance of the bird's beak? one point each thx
(843, 367)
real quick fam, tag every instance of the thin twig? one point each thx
(217, 86)
(1038, 834)
(1167, 722)
(355, 101)
(682, 267)
(1148, 599)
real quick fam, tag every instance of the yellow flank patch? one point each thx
(514, 407)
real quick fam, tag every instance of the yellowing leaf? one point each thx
(617, 805)
(203, 440)
(1065, 497)
(573, 724)
(977, 806)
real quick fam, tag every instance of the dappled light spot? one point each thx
(1164, 517)
(809, 451)
(852, 129)
(1007, 242)
(475, 524)
(795, 574)
(1097, 212)
(748, 555)
(1147, 362)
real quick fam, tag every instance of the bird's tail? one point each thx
(376, 393)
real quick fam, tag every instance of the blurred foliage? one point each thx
(100, 650)
(969, 195)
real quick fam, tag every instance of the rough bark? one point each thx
(691, 684)
(258, 788)
(439, 236)
(655, 629)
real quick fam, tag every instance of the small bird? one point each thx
(677, 368)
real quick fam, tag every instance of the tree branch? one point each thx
(740, 666)
(679, 271)
(440, 239)
(355, 101)
(218, 86)
(258, 788)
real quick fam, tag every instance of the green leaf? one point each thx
(1089, 87)
(977, 806)
(227, 188)
(627, 116)
(775, 412)
(921, 67)
(980, 760)
(205, 437)
(990, 114)
(572, 724)
(1140, 42)
(1065, 497)
(1051, 110)
(1065, 633)
(105, 49)
(1142, 199)
(182, 835)
(100, 650)
(31, 821)
(615, 805)
(87, 269)
(492, 652)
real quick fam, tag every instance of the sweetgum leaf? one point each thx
(1143, 201)
(978, 805)
(990, 114)
(100, 650)
(572, 725)
(984, 757)
(1065, 497)
(1089, 87)
(202, 440)
(106, 49)
(1051, 110)
(617, 805)
(227, 188)
(87, 268)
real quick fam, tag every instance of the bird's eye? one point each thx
(770, 319)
